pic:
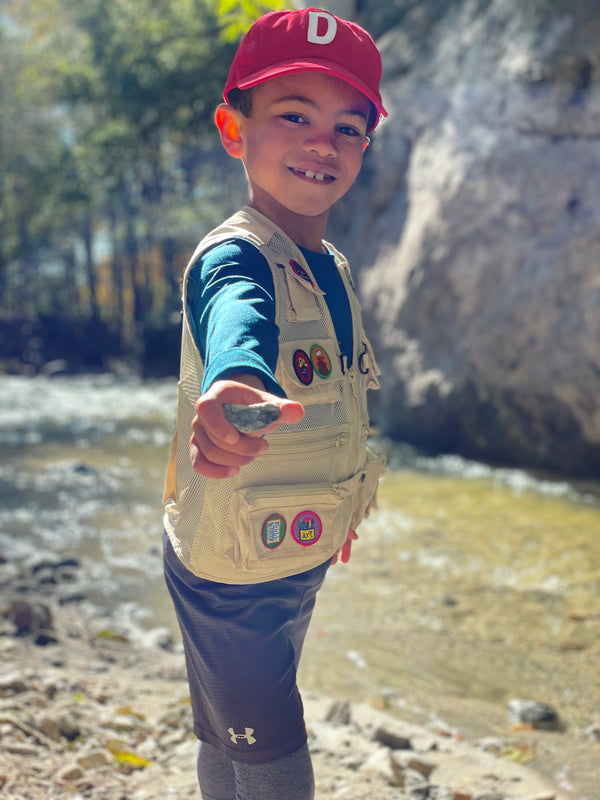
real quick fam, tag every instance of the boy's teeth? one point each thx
(318, 176)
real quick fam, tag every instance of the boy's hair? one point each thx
(306, 40)
(241, 99)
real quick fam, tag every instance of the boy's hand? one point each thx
(344, 553)
(217, 449)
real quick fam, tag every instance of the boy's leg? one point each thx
(288, 778)
(242, 644)
(215, 774)
(220, 778)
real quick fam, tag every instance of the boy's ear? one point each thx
(226, 119)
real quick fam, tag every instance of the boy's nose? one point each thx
(322, 143)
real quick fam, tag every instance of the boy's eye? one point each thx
(293, 117)
(349, 130)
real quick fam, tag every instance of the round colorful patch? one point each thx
(299, 270)
(320, 361)
(303, 367)
(273, 531)
(307, 528)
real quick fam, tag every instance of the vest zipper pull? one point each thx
(352, 379)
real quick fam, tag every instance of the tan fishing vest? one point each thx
(289, 510)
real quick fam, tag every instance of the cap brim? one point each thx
(326, 67)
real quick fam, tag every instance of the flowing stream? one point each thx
(469, 586)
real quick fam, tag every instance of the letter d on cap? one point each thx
(313, 28)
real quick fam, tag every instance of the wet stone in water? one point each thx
(250, 419)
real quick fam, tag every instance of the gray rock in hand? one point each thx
(249, 419)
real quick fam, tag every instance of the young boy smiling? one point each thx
(253, 522)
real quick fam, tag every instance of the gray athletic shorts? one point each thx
(242, 645)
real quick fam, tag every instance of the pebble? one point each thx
(12, 684)
(252, 418)
(69, 773)
(358, 752)
(28, 616)
(533, 713)
(391, 739)
(108, 717)
(593, 731)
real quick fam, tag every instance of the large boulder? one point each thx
(479, 215)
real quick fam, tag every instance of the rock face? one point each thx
(478, 213)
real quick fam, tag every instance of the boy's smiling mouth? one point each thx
(320, 177)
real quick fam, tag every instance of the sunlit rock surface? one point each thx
(476, 223)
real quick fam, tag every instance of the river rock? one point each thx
(252, 418)
(390, 738)
(95, 759)
(126, 730)
(69, 773)
(69, 727)
(593, 731)
(12, 683)
(477, 213)
(530, 712)
(29, 616)
(49, 726)
(340, 713)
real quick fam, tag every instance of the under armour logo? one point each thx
(247, 736)
(313, 27)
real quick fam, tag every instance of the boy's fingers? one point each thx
(246, 449)
(291, 412)
(202, 466)
(346, 552)
(346, 549)
(210, 417)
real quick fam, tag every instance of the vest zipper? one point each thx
(251, 495)
(315, 441)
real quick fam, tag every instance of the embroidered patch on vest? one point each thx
(320, 361)
(273, 531)
(299, 270)
(303, 367)
(307, 528)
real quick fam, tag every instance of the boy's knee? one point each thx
(290, 777)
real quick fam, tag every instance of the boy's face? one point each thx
(303, 144)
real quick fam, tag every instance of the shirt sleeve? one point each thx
(231, 309)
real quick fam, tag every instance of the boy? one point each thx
(253, 522)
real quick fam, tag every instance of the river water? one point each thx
(469, 586)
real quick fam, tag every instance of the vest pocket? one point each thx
(365, 489)
(287, 527)
(297, 527)
(309, 370)
(292, 526)
(300, 294)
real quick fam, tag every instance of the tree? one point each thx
(110, 167)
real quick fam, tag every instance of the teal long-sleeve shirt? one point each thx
(231, 308)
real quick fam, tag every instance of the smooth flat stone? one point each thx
(250, 419)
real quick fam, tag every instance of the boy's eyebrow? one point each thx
(357, 112)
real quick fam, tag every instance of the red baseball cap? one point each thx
(308, 40)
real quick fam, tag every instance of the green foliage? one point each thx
(238, 15)
(109, 167)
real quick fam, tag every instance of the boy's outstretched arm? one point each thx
(217, 449)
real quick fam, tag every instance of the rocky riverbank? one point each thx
(88, 710)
